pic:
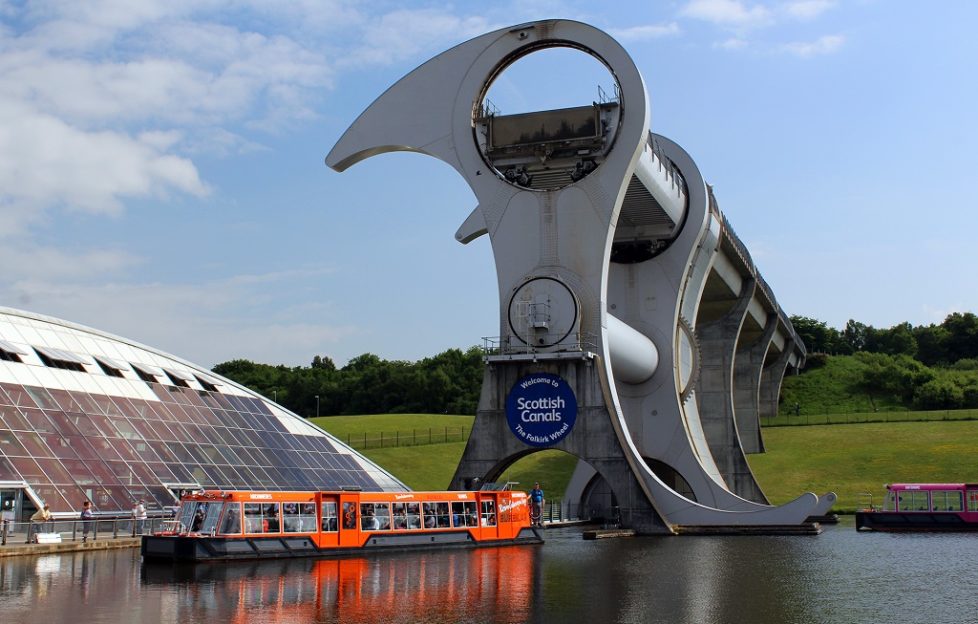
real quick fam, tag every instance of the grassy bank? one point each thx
(847, 459)
(850, 459)
(431, 466)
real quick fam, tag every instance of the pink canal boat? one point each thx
(923, 507)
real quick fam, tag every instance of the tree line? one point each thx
(448, 383)
(925, 367)
(956, 338)
(928, 366)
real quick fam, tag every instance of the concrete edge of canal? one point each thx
(16, 550)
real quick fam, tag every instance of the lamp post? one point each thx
(317, 406)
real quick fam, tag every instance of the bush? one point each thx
(939, 394)
(815, 360)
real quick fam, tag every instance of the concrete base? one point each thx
(17, 550)
(608, 533)
(807, 528)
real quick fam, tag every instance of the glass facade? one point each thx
(119, 435)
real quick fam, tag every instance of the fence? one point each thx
(792, 420)
(75, 530)
(414, 437)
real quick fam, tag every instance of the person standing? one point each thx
(40, 521)
(86, 516)
(139, 515)
(536, 505)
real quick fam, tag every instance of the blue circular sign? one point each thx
(541, 409)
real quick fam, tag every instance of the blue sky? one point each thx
(162, 176)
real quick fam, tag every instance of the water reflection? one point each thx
(433, 586)
(840, 576)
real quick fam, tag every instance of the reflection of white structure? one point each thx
(617, 273)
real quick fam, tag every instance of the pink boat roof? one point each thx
(930, 486)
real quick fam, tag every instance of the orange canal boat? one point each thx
(217, 525)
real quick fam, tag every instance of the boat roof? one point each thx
(930, 486)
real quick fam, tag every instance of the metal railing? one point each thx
(559, 510)
(415, 437)
(506, 345)
(851, 418)
(80, 530)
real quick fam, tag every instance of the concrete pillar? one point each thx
(714, 394)
(492, 447)
(771, 377)
(748, 368)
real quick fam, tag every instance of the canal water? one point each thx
(839, 576)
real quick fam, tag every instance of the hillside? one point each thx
(875, 382)
(846, 459)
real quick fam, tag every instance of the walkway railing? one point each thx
(561, 511)
(79, 530)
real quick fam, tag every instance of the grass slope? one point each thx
(431, 467)
(832, 389)
(846, 459)
(850, 459)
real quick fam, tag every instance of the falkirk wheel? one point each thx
(636, 333)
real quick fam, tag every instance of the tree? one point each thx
(932, 343)
(817, 336)
(854, 335)
(962, 335)
(323, 362)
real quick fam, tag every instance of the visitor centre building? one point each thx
(85, 415)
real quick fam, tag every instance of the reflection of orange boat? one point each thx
(494, 584)
(249, 525)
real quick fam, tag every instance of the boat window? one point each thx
(231, 522)
(375, 517)
(436, 516)
(464, 514)
(349, 515)
(261, 517)
(946, 500)
(329, 517)
(407, 515)
(889, 503)
(299, 517)
(488, 513)
(187, 514)
(913, 500)
(972, 500)
(204, 518)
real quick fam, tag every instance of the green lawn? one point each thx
(847, 459)
(431, 467)
(850, 459)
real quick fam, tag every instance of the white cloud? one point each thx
(205, 322)
(45, 162)
(404, 33)
(733, 43)
(645, 33)
(49, 264)
(106, 102)
(730, 13)
(823, 45)
(806, 9)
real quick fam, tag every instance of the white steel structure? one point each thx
(635, 331)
